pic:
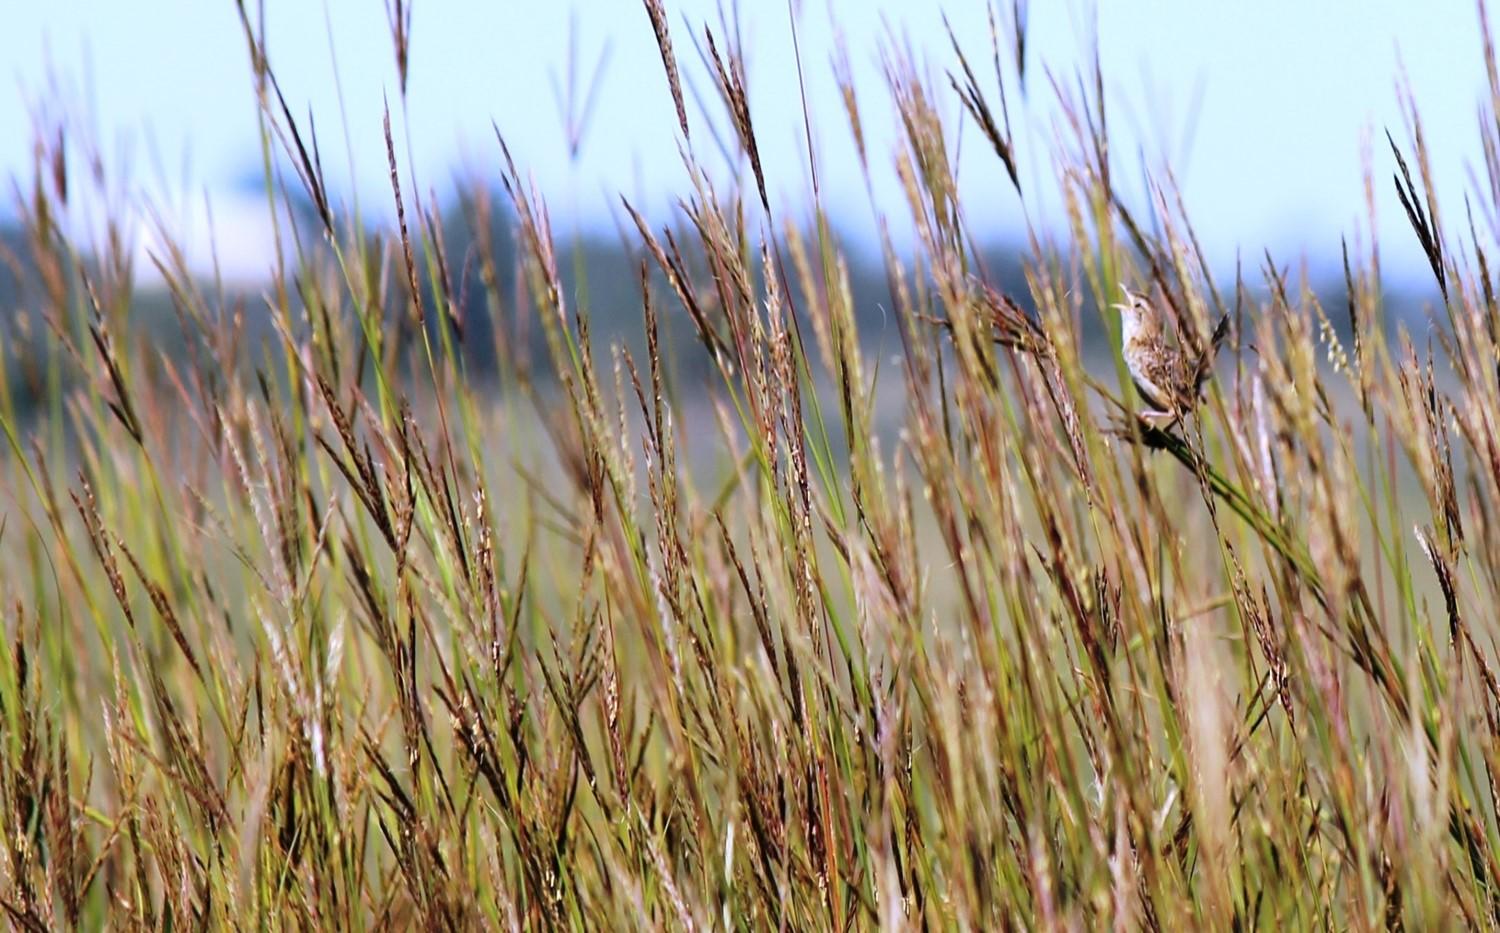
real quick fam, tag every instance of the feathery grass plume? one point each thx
(656, 12)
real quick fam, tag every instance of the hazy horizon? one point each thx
(1261, 162)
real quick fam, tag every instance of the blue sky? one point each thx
(1263, 108)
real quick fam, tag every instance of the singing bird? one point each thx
(1169, 378)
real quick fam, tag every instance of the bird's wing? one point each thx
(1156, 378)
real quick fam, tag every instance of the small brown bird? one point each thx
(1169, 378)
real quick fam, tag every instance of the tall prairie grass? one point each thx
(731, 622)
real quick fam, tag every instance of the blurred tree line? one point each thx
(600, 271)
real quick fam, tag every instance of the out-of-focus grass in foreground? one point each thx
(319, 630)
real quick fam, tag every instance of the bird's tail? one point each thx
(1206, 361)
